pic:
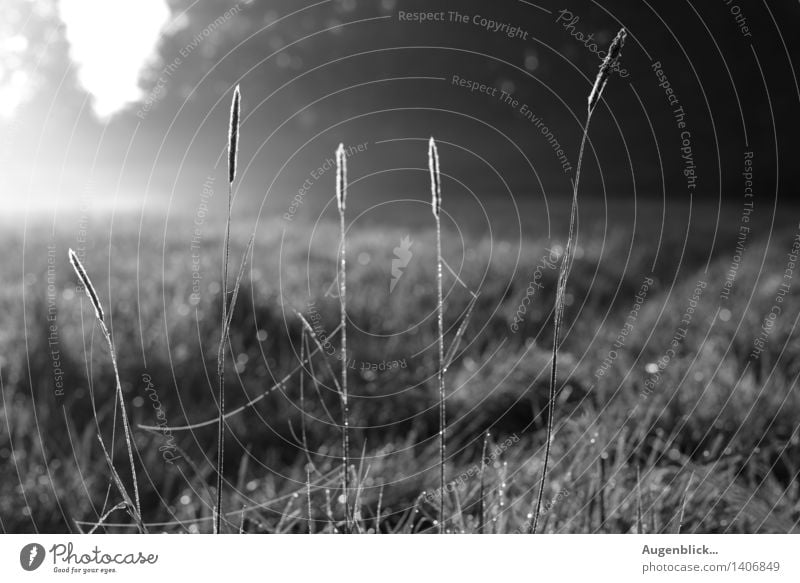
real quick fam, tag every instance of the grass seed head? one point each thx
(608, 65)
(87, 285)
(436, 183)
(341, 177)
(233, 134)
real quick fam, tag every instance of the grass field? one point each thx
(666, 419)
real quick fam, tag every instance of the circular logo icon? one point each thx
(31, 556)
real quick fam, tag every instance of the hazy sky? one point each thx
(132, 96)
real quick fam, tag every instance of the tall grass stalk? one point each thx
(482, 507)
(102, 519)
(639, 523)
(341, 200)
(308, 498)
(684, 500)
(378, 514)
(100, 316)
(233, 145)
(601, 491)
(129, 504)
(436, 206)
(225, 338)
(606, 68)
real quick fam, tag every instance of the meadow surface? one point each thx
(665, 419)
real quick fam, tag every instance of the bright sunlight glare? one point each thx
(110, 41)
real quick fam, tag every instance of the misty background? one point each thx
(127, 102)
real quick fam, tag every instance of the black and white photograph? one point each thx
(400, 267)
